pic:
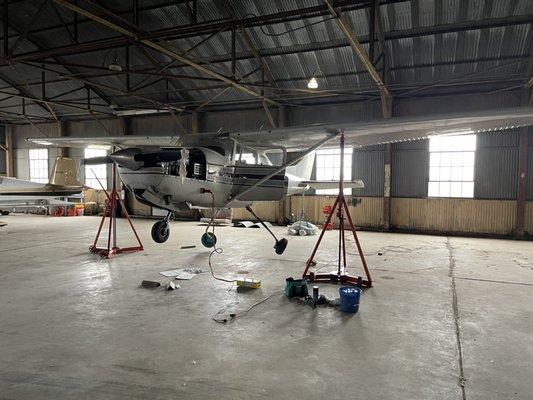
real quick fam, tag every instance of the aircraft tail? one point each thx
(304, 168)
(64, 172)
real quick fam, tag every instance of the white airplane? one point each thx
(17, 193)
(209, 170)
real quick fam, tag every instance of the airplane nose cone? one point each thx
(126, 158)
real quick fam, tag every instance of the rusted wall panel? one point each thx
(271, 211)
(368, 213)
(528, 225)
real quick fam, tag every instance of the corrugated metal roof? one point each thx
(491, 53)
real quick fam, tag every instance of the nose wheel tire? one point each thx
(209, 239)
(160, 231)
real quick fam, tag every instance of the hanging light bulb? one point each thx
(313, 83)
(115, 66)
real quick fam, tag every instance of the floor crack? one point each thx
(462, 380)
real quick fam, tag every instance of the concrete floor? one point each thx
(75, 326)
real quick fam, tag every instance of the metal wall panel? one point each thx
(528, 226)
(336, 113)
(454, 215)
(236, 120)
(369, 165)
(496, 168)
(90, 128)
(159, 125)
(410, 170)
(367, 213)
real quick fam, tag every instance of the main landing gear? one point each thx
(161, 229)
(281, 244)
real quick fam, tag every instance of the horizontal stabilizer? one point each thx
(97, 160)
(357, 184)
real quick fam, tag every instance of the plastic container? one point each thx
(350, 297)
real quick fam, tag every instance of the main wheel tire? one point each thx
(160, 231)
(280, 246)
(5, 212)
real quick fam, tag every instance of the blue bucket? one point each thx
(350, 299)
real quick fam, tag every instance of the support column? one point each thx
(386, 188)
(61, 133)
(521, 200)
(10, 167)
(522, 183)
(195, 122)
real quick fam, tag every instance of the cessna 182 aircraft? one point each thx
(18, 193)
(208, 170)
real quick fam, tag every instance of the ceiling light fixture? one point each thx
(114, 66)
(313, 82)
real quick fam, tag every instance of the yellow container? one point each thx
(248, 283)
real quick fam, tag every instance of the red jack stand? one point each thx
(110, 212)
(342, 213)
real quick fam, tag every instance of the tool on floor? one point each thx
(111, 209)
(342, 214)
(150, 284)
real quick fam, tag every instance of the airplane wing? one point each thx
(357, 134)
(45, 190)
(108, 141)
(391, 130)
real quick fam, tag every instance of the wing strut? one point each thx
(318, 144)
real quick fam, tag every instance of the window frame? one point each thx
(331, 154)
(99, 169)
(451, 166)
(39, 170)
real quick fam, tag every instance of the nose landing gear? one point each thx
(161, 229)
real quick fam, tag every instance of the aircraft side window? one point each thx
(248, 158)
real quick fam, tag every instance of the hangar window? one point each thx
(328, 168)
(99, 170)
(38, 165)
(451, 166)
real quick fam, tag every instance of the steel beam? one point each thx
(339, 43)
(104, 72)
(5, 23)
(162, 49)
(202, 28)
(248, 41)
(357, 48)
(28, 27)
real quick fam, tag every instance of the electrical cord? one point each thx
(242, 313)
(219, 250)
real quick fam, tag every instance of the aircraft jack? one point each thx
(113, 200)
(340, 276)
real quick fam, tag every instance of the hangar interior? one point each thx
(445, 224)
